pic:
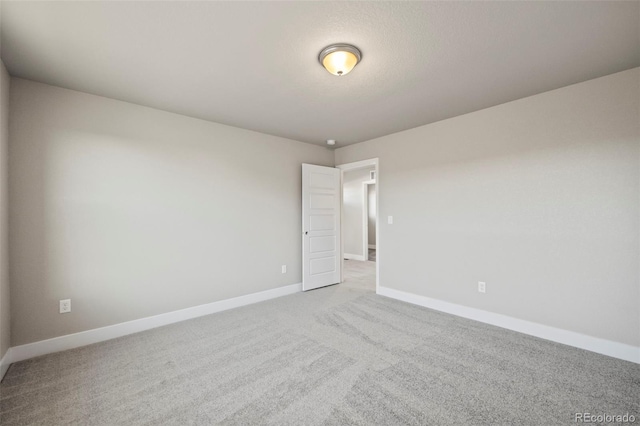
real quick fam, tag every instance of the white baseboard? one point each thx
(571, 338)
(5, 363)
(372, 246)
(350, 256)
(83, 338)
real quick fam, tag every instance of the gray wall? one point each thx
(539, 198)
(132, 212)
(5, 316)
(352, 197)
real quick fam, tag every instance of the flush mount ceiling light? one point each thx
(331, 141)
(339, 59)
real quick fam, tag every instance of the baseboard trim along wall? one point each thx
(570, 338)
(5, 363)
(349, 256)
(70, 341)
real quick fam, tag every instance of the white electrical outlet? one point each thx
(65, 306)
(390, 220)
(482, 287)
(284, 269)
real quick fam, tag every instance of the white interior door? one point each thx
(320, 226)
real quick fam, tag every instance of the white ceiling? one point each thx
(254, 64)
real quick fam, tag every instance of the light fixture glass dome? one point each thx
(339, 59)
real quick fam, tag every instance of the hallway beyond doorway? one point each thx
(372, 255)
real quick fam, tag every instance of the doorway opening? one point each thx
(360, 224)
(370, 218)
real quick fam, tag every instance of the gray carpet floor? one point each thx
(333, 356)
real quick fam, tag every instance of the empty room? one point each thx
(319, 213)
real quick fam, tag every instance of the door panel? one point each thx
(320, 244)
(320, 226)
(322, 223)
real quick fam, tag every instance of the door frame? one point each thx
(353, 166)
